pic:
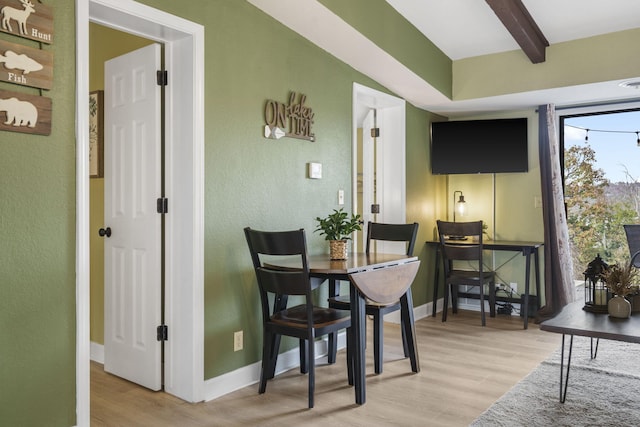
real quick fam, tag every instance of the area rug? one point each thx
(604, 391)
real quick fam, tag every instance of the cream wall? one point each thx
(602, 58)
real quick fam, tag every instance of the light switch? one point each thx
(341, 197)
(315, 170)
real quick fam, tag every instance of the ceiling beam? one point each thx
(516, 18)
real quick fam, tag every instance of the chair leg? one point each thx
(266, 361)
(332, 348)
(484, 321)
(492, 299)
(304, 351)
(350, 356)
(445, 308)
(378, 342)
(273, 349)
(454, 299)
(311, 365)
(405, 345)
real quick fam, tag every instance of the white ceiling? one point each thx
(467, 28)
(461, 29)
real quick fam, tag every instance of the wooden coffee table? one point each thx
(573, 320)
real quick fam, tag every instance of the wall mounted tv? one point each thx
(479, 146)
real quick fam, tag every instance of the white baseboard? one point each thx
(96, 352)
(250, 374)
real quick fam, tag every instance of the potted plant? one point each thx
(337, 228)
(620, 281)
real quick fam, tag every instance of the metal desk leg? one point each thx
(563, 390)
(526, 289)
(358, 341)
(436, 277)
(594, 352)
(536, 265)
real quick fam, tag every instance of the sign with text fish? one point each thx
(25, 66)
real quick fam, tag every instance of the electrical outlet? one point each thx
(237, 341)
(514, 287)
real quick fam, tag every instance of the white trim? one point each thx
(184, 47)
(97, 352)
(250, 374)
(82, 217)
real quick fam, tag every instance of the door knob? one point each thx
(105, 232)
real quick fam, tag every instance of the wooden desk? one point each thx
(363, 273)
(526, 248)
(573, 320)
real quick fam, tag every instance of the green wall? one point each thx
(249, 181)
(37, 259)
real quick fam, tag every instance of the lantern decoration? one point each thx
(596, 293)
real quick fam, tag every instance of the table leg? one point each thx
(409, 329)
(536, 265)
(358, 337)
(594, 352)
(527, 273)
(333, 337)
(563, 390)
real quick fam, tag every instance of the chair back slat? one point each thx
(287, 282)
(264, 246)
(460, 250)
(392, 233)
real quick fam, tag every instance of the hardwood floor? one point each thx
(464, 369)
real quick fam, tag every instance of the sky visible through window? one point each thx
(614, 139)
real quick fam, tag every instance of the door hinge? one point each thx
(162, 77)
(375, 132)
(162, 205)
(163, 333)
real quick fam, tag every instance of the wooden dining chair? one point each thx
(403, 233)
(463, 264)
(304, 321)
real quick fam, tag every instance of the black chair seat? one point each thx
(297, 317)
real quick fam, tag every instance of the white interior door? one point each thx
(383, 162)
(368, 173)
(132, 186)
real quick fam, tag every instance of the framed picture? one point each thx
(96, 134)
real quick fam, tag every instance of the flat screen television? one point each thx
(479, 146)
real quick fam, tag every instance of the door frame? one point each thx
(184, 180)
(391, 160)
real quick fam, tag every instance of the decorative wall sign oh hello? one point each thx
(292, 120)
(28, 19)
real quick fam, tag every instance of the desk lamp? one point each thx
(458, 206)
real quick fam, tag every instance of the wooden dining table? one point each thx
(379, 277)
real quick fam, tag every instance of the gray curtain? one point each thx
(559, 287)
